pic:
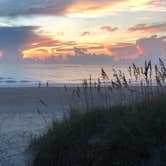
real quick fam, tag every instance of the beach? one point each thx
(20, 119)
(28, 112)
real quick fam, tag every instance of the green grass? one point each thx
(120, 136)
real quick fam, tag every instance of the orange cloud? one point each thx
(42, 47)
(149, 28)
(139, 49)
(47, 48)
(37, 53)
(98, 7)
(109, 28)
(92, 7)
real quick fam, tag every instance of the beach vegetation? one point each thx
(129, 132)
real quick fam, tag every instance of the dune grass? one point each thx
(131, 133)
(127, 135)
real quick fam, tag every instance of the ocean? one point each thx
(29, 75)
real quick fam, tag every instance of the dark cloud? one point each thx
(90, 59)
(30, 7)
(12, 40)
(16, 36)
(149, 28)
(81, 57)
(85, 34)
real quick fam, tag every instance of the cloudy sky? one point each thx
(82, 30)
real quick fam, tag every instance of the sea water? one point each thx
(29, 75)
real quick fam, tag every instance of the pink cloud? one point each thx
(150, 48)
(126, 51)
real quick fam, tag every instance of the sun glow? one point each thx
(83, 8)
(39, 52)
(104, 25)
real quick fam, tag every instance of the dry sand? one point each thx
(19, 119)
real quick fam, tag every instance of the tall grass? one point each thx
(140, 82)
(118, 121)
(122, 135)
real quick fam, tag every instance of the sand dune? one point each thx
(20, 119)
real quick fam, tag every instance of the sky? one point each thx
(82, 31)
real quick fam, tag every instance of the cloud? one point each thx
(45, 7)
(16, 35)
(31, 7)
(18, 43)
(154, 2)
(144, 48)
(24, 44)
(149, 28)
(109, 28)
(93, 7)
(43, 47)
(81, 56)
(148, 48)
(153, 46)
(85, 34)
(97, 7)
(12, 40)
(61, 7)
(90, 59)
(123, 51)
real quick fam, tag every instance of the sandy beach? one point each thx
(27, 112)
(20, 121)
